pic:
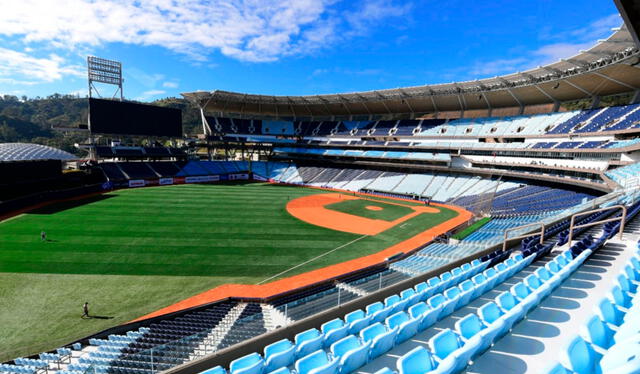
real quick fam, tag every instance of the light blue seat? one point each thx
(525, 297)
(427, 315)
(420, 287)
(467, 289)
(503, 272)
(407, 294)
(436, 284)
(510, 306)
(250, 364)
(351, 353)
(580, 357)
(537, 286)
(470, 326)
(447, 280)
(279, 354)
(608, 312)
(453, 294)
(416, 361)
(308, 341)
(407, 327)
(626, 285)
(215, 370)
(391, 300)
(357, 320)
(446, 342)
(619, 298)
(492, 276)
(631, 273)
(491, 315)
(333, 331)
(316, 363)
(381, 339)
(597, 333)
(378, 312)
(436, 300)
(481, 282)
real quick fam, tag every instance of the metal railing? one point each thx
(528, 234)
(622, 219)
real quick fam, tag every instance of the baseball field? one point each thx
(131, 252)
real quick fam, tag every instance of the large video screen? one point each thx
(126, 118)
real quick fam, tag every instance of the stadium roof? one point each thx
(608, 68)
(30, 152)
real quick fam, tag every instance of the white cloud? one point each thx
(249, 30)
(20, 68)
(580, 39)
(146, 95)
(170, 84)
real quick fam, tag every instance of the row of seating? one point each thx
(380, 327)
(609, 341)
(450, 351)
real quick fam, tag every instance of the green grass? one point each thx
(131, 252)
(471, 229)
(389, 212)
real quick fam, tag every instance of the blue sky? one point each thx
(295, 47)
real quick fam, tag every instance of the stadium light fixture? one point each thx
(105, 71)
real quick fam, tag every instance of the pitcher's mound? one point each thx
(373, 207)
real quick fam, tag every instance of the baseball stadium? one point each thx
(477, 227)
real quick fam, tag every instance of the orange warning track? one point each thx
(312, 209)
(274, 288)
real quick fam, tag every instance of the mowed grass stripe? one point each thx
(184, 230)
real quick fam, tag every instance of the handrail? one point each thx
(507, 231)
(622, 219)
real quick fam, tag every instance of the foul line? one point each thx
(313, 259)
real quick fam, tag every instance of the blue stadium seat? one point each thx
(308, 341)
(608, 312)
(381, 339)
(406, 325)
(597, 333)
(490, 314)
(357, 320)
(249, 364)
(427, 315)
(351, 352)
(333, 331)
(446, 342)
(279, 354)
(317, 363)
(416, 361)
(580, 357)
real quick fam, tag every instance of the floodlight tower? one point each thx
(104, 71)
(101, 70)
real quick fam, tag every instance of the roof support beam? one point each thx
(614, 80)
(513, 95)
(346, 107)
(326, 106)
(405, 101)
(364, 102)
(382, 100)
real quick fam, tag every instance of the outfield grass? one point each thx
(131, 252)
(387, 212)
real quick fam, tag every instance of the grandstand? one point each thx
(545, 281)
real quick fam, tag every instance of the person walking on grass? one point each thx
(85, 310)
(43, 236)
